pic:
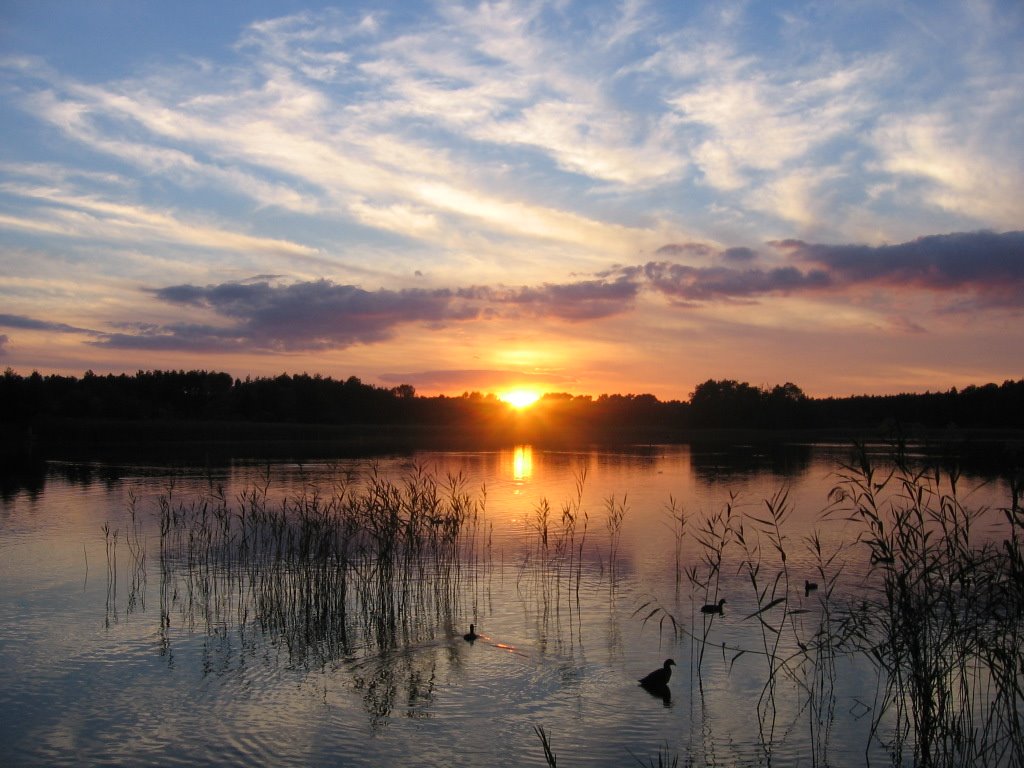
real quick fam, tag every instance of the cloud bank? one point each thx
(974, 271)
(987, 264)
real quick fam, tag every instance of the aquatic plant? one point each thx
(379, 558)
(772, 598)
(616, 514)
(368, 564)
(944, 624)
(553, 566)
(545, 740)
(939, 614)
(677, 526)
(716, 534)
(664, 759)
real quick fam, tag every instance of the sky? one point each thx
(583, 197)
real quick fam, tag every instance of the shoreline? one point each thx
(170, 440)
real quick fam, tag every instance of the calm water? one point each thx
(109, 656)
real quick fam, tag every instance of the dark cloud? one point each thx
(975, 270)
(987, 264)
(296, 317)
(709, 283)
(322, 314)
(583, 300)
(703, 251)
(180, 336)
(700, 250)
(978, 269)
(741, 255)
(32, 324)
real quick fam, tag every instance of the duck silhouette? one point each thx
(713, 607)
(659, 678)
(809, 586)
(471, 635)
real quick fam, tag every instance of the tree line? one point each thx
(201, 395)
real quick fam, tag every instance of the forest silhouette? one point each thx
(39, 402)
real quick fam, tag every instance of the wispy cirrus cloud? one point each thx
(503, 158)
(422, 130)
(71, 214)
(747, 120)
(327, 151)
(953, 157)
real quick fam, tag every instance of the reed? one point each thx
(943, 626)
(382, 559)
(664, 759)
(553, 565)
(545, 740)
(677, 526)
(615, 516)
(714, 537)
(820, 648)
(572, 514)
(771, 595)
(935, 610)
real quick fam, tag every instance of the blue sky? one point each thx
(584, 197)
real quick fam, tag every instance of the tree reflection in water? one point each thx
(371, 577)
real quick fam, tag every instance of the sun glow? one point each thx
(520, 398)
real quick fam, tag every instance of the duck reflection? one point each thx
(656, 683)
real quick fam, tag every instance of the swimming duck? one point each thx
(809, 586)
(659, 677)
(713, 607)
(471, 635)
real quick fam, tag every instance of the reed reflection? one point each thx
(376, 580)
(332, 578)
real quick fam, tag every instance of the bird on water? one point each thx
(471, 635)
(809, 586)
(713, 607)
(659, 677)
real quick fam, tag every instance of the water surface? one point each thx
(110, 654)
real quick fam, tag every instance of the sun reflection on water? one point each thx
(522, 462)
(386, 661)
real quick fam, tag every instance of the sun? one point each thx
(520, 398)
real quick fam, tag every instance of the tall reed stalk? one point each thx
(943, 627)
(383, 558)
(938, 613)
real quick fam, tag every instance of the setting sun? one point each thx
(520, 398)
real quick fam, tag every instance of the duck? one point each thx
(471, 635)
(809, 586)
(713, 607)
(658, 678)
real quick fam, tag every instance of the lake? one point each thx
(140, 626)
